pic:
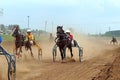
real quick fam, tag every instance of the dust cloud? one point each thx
(29, 67)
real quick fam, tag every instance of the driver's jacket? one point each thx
(30, 37)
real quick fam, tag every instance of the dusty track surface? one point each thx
(98, 58)
(112, 70)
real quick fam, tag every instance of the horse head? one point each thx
(15, 31)
(60, 32)
(60, 29)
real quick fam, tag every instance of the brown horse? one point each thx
(20, 41)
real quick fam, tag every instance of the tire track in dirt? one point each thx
(68, 71)
(111, 71)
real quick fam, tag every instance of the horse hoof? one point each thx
(63, 61)
(18, 56)
(71, 57)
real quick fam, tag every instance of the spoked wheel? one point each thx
(81, 54)
(12, 70)
(40, 54)
(54, 53)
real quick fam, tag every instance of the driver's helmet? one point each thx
(28, 30)
(67, 31)
(0, 39)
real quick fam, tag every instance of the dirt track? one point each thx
(111, 70)
(97, 54)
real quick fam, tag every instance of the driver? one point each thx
(30, 37)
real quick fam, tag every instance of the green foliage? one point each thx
(113, 33)
(7, 37)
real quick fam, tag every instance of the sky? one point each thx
(86, 16)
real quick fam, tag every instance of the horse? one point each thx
(114, 41)
(63, 42)
(20, 41)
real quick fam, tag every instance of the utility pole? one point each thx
(45, 25)
(28, 21)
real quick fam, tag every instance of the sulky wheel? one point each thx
(54, 52)
(80, 54)
(12, 70)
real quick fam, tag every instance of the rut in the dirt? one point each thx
(111, 71)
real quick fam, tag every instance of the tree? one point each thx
(10, 27)
(2, 27)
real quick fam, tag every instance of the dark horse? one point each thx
(20, 41)
(63, 42)
(114, 41)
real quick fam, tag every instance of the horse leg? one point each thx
(61, 52)
(21, 49)
(31, 51)
(26, 45)
(70, 48)
(16, 52)
(113, 43)
(64, 52)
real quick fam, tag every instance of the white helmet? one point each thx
(28, 30)
(67, 31)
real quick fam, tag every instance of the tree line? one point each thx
(6, 29)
